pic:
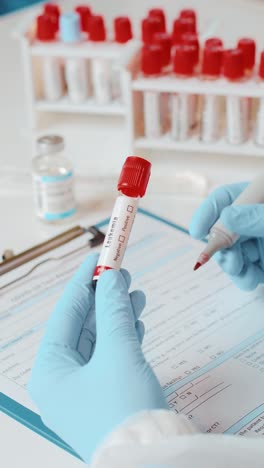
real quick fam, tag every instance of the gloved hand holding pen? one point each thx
(88, 380)
(244, 261)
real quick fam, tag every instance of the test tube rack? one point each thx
(169, 84)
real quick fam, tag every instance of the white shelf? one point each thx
(195, 145)
(221, 87)
(86, 107)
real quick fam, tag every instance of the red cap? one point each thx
(97, 30)
(184, 60)
(192, 39)
(45, 28)
(164, 40)
(53, 10)
(248, 47)
(158, 13)
(188, 13)
(233, 64)
(213, 42)
(180, 27)
(212, 61)
(261, 66)
(151, 60)
(134, 177)
(149, 27)
(122, 29)
(85, 13)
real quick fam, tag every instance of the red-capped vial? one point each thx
(85, 13)
(97, 30)
(45, 28)
(210, 117)
(237, 108)
(248, 47)
(192, 39)
(213, 42)
(183, 105)
(101, 72)
(122, 29)
(158, 13)
(151, 60)
(182, 26)
(164, 41)
(259, 129)
(150, 26)
(132, 186)
(53, 10)
(188, 13)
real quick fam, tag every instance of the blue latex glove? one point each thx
(86, 382)
(244, 262)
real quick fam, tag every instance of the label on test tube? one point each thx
(237, 119)
(117, 235)
(152, 114)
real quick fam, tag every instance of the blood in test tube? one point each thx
(151, 67)
(259, 129)
(85, 13)
(158, 13)
(101, 67)
(52, 73)
(248, 47)
(132, 186)
(237, 107)
(76, 69)
(211, 71)
(182, 103)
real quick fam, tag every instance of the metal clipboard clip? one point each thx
(15, 261)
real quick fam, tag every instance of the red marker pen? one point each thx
(132, 185)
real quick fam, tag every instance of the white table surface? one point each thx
(87, 140)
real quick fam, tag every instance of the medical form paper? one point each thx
(204, 338)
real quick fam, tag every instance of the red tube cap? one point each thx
(151, 60)
(53, 10)
(134, 177)
(261, 66)
(212, 61)
(188, 13)
(158, 13)
(184, 60)
(97, 32)
(85, 13)
(192, 39)
(213, 42)
(248, 47)
(164, 41)
(149, 27)
(122, 29)
(45, 28)
(180, 27)
(233, 64)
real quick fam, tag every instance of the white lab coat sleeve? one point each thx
(163, 439)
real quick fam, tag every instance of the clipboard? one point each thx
(8, 405)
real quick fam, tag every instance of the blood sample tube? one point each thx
(122, 35)
(182, 103)
(248, 47)
(85, 13)
(150, 26)
(52, 73)
(101, 67)
(164, 41)
(259, 130)
(237, 107)
(180, 27)
(76, 69)
(151, 66)
(158, 13)
(53, 10)
(188, 13)
(132, 185)
(211, 70)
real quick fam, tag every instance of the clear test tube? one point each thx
(259, 129)
(210, 119)
(151, 67)
(237, 107)
(122, 35)
(101, 67)
(52, 73)
(76, 69)
(182, 103)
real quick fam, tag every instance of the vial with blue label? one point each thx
(53, 181)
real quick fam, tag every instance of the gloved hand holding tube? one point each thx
(238, 211)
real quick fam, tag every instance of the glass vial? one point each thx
(52, 180)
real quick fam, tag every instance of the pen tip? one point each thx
(196, 266)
